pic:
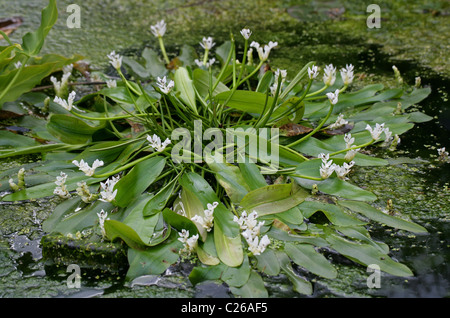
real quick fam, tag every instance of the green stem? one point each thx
(205, 58)
(318, 91)
(314, 131)
(252, 73)
(352, 148)
(107, 118)
(266, 116)
(163, 49)
(131, 164)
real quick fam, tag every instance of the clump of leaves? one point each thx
(124, 177)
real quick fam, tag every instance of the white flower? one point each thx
(159, 29)
(246, 33)
(277, 73)
(18, 64)
(340, 121)
(327, 168)
(351, 154)
(255, 246)
(61, 189)
(108, 194)
(115, 60)
(84, 193)
(155, 142)
(102, 216)
(165, 86)
(333, 97)
(347, 74)
(67, 68)
(349, 140)
(377, 131)
(61, 179)
(84, 166)
(189, 243)
(249, 224)
(250, 231)
(111, 83)
(342, 171)
(208, 64)
(59, 86)
(207, 43)
(313, 72)
(67, 104)
(443, 155)
(207, 220)
(329, 75)
(263, 52)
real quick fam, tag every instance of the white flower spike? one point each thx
(67, 104)
(263, 52)
(207, 43)
(246, 33)
(328, 167)
(155, 142)
(102, 217)
(255, 246)
(340, 121)
(333, 97)
(377, 131)
(159, 29)
(342, 171)
(115, 60)
(347, 74)
(207, 220)
(108, 193)
(189, 243)
(61, 189)
(329, 75)
(84, 166)
(165, 86)
(313, 72)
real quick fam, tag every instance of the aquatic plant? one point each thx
(261, 158)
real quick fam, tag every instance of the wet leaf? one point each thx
(306, 256)
(374, 214)
(273, 199)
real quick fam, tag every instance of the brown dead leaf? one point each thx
(292, 129)
(6, 114)
(174, 64)
(8, 25)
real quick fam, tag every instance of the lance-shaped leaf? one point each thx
(153, 260)
(333, 212)
(231, 179)
(33, 41)
(71, 130)
(366, 255)
(159, 201)
(306, 256)
(300, 284)
(253, 288)
(226, 232)
(273, 198)
(184, 85)
(140, 177)
(374, 214)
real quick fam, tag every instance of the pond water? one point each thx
(419, 189)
